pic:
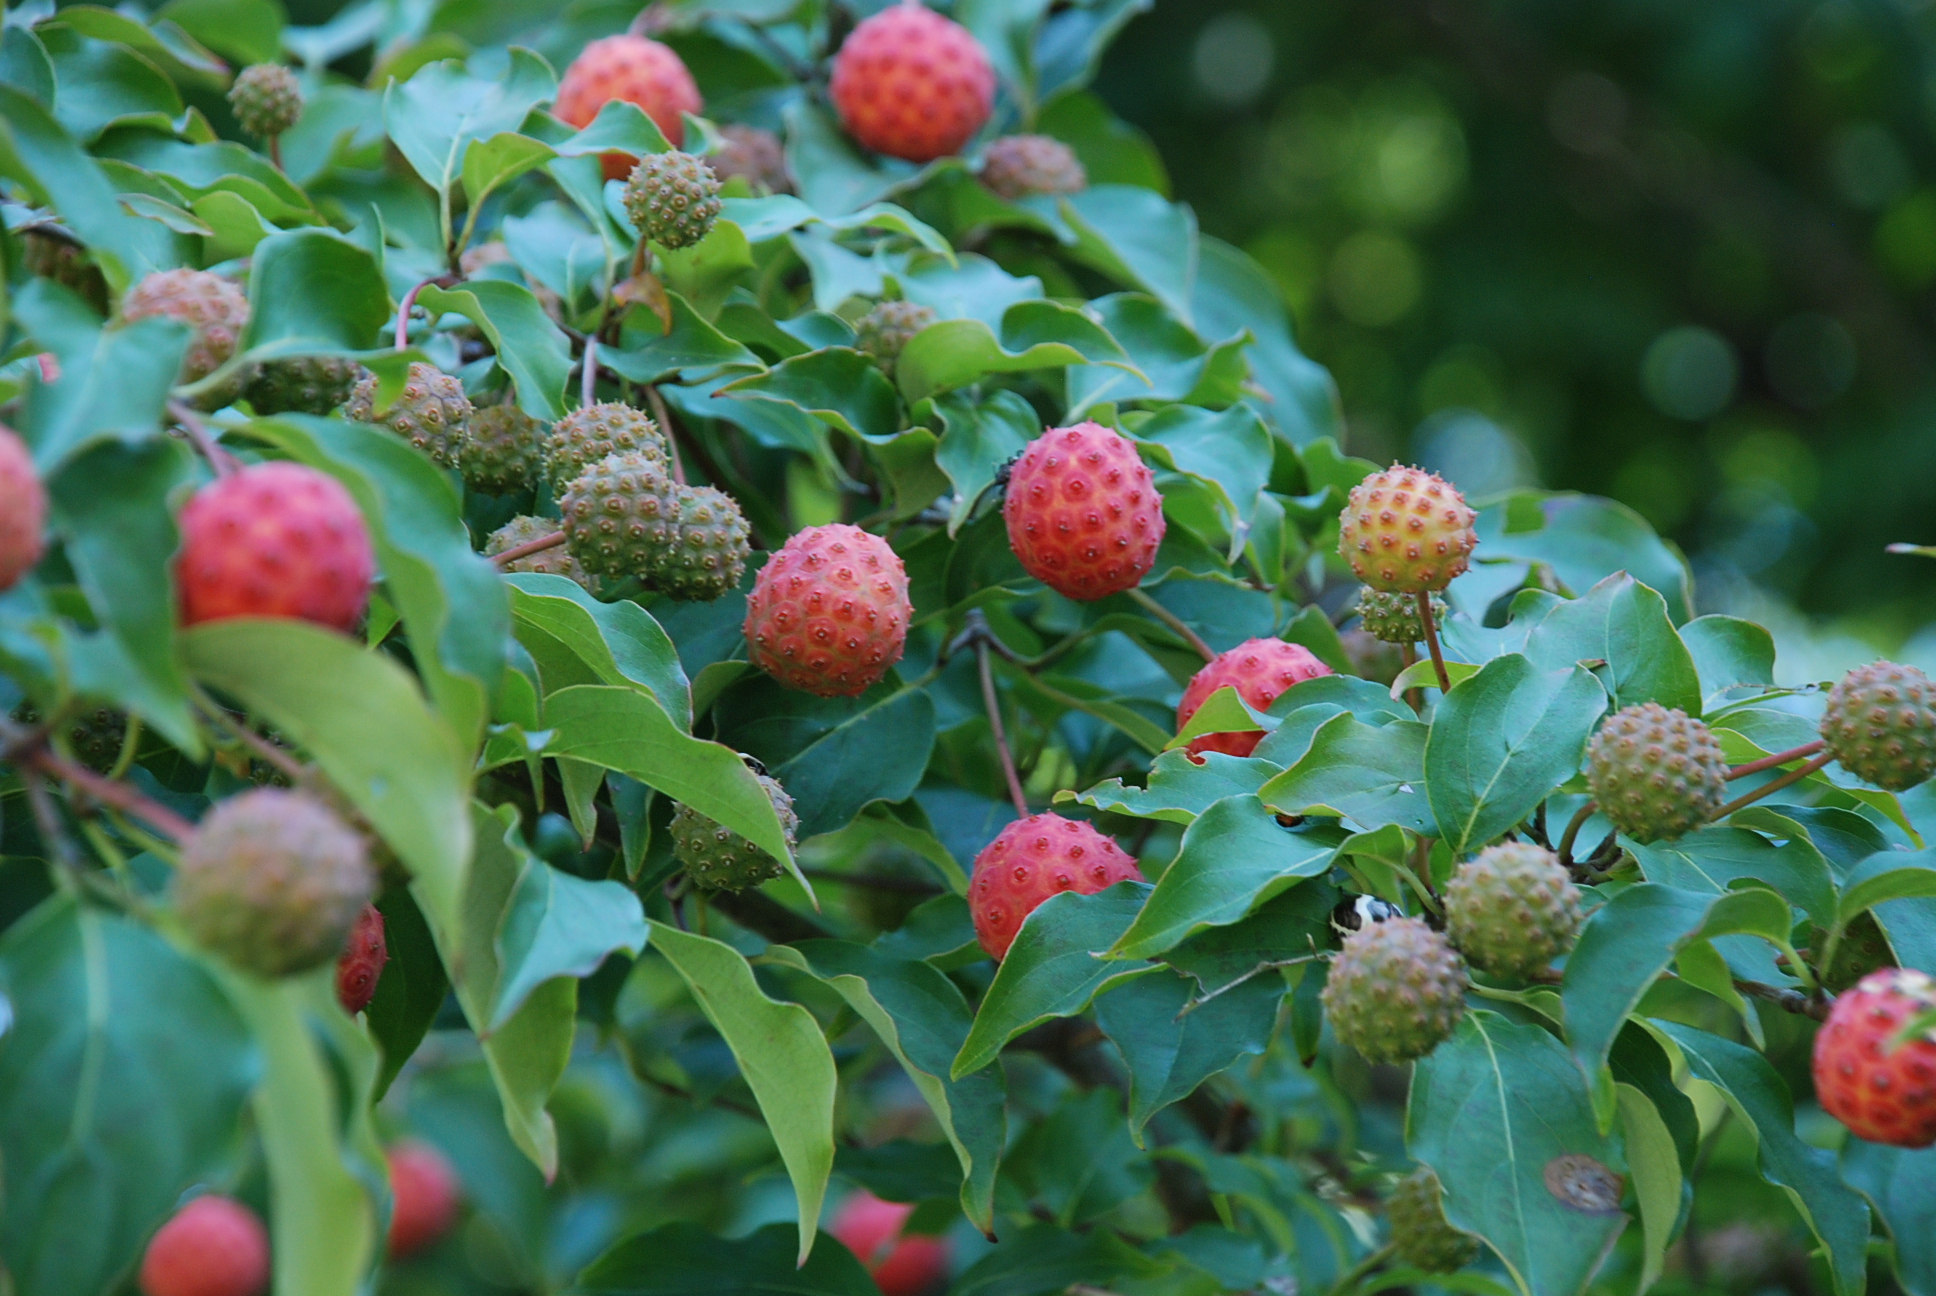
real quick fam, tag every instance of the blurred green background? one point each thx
(1679, 254)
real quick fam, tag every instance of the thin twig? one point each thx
(1174, 622)
(1795, 775)
(1573, 826)
(121, 796)
(1426, 623)
(588, 376)
(1414, 698)
(408, 303)
(1779, 758)
(275, 151)
(664, 416)
(993, 704)
(528, 548)
(221, 461)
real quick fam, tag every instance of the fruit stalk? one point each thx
(1174, 622)
(220, 460)
(1795, 775)
(994, 706)
(1779, 758)
(529, 547)
(1432, 639)
(664, 418)
(1573, 826)
(588, 376)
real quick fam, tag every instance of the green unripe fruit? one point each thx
(672, 198)
(585, 436)
(266, 99)
(501, 451)
(619, 515)
(60, 257)
(1420, 1233)
(709, 548)
(429, 413)
(1394, 618)
(1656, 772)
(1512, 908)
(885, 331)
(1881, 725)
(1396, 990)
(303, 385)
(719, 859)
(1863, 949)
(555, 561)
(273, 881)
(94, 736)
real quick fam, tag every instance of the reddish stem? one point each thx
(108, 792)
(1779, 758)
(664, 416)
(528, 548)
(199, 436)
(993, 704)
(1795, 775)
(1426, 622)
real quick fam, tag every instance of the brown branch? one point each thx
(994, 707)
(1795, 775)
(1426, 623)
(1779, 758)
(528, 548)
(1573, 826)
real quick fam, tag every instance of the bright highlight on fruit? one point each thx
(1656, 772)
(1031, 860)
(829, 612)
(1260, 670)
(274, 540)
(1406, 531)
(1083, 513)
(1867, 1075)
(912, 84)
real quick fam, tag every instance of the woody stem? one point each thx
(1795, 775)
(994, 706)
(1174, 622)
(528, 548)
(1426, 623)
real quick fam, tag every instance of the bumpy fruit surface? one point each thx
(1881, 725)
(829, 612)
(620, 515)
(1031, 860)
(23, 510)
(1394, 618)
(885, 331)
(911, 84)
(501, 450)
(274, 540)
(901, 1264)
(672, 198)
(1420, 1233)
(754, 154)
(634, 69)
(214, 1246)
(1882, 1088)
(425, 1195)
(209, 304)
(273, 881)
(584, 436)
(1083, 513)
(1016, 166)
(360, 965)
(429, 413)
(266, 99)
(1512, 908)
(1396, 990)
(555, 561)
(94, 736)
(1404, 530)
(708, 551)
(60, 257)
(1260, 670)
(718, 858)
(1863, 949)
(1656, 772)
(303, 385)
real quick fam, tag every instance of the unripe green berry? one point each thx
(1656, 772)
(267, 100)
(719, 859)
(501, 450)
(707, 556)
(1420, 1233)
(555, 561)
(885, 331)
(1512, 908)
(1394, 618)
(1881, 725)
(619, 515)
(429, 413)
(303, 384)
(1396, 990)
(585, 436)
(672, 198)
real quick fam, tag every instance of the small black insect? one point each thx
(753, 763)
(1354, 912)
(1007, 470)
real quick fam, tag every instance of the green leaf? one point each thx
(765, 218)
(559, 925)
(1631, 940)
(1584, 540)
(1657, 1178)
(396, 761)
(1713, 858)
(1292, 928)
(837, 385)
(109, 1027)
(1372, 775)
(452, 601)
(1501, 742)
(576, 639)
(1623, 623)
(1172, 1046)
(1886, 876)
(1837, 1216)
(1139, 238)
(1179, 788)
(1233, 858)
(528, 345)
(833, 173)
(1730, 654)
(1172, 363)
(110, 508)
(247, 31)
(1502, 1116)
(437, 114)
(412, 988)
(1042, 1258)
(1224, 711)
(620, 127)
(923, 1020)
(680, 1259)
(310, 292)
(53, 170)
(978, 437)
(104, 83)
(1078, 1163)
(489, 163)
(1230, 450)
(1034, 335)
(1233, 295)
(648, 352)
(1901, 1184)
(780, 1051)
(1051, 969)
(113, 384)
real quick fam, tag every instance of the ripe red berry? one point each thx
(1031, 860)
(1083, 512)
(829, 612)
(1882, 1089)
(361, 964)
(634, 69)
(900, 1265)
(214, 1246)
(274, 540)
(912, 84)
(1260, 670)
(23, 510)
(425, 1193)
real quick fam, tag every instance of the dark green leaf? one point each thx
(1170, 1051)
(1294, 927)
(681, 1259)
(313, 291)
(1043, 1259)
(1625, 625)
(50, 166)
(1179, 788)
(412, 988)
(1901, 1184)
(558, 925)
(1139, 238)
(1372, 775)
(1585, 539)
(1234, 294)
(1034, 335)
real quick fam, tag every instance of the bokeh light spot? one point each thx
(1233, 58)
(1689, 373)
(1376, 278)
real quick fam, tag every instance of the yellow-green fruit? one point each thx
(429, 413)
(555, 561)
(501, 450)
(1420, 1233)
(303, 385)
(1512, 909)
(672, 198)
(620, 515)
(1404, 530)
(1656, 772)
(708, 552)
(212, 307)
(1396, 990)
(266, 99)
(272, 881)
(585, 436)
(719, 859)
(1394, 618)
(1881, 725)
(885, 331)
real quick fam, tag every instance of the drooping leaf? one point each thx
(528, 345)
(559, 925)
(576, 639)
(312, 291)
(1170, 1051)
(679, 1259)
